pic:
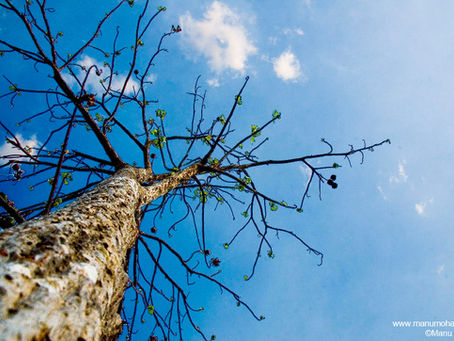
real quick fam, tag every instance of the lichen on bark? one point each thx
(62, 276)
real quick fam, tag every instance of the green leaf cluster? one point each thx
(159, 142)
(212, 161)
(254, 132)
(221, 119)
(161, 113)
(67, 177)
(57, 202)
(207, 139)
(273, 206)
(99, 117)
(203, 196)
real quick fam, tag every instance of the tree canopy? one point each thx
(91, 110)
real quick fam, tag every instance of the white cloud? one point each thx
(287, 66)
(214, 82)
(219, 36)
(421, 206)
(306, 171)
(273, 40)
(441, 269)
(402, 175)
(297, 30)
(93, 81)
(380, 189)
(151, 78)
(8, 149)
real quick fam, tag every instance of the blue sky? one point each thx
(344, 71)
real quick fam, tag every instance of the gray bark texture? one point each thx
(62, 276)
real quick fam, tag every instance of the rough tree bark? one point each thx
(62, 276)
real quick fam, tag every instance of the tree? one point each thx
(63, 271)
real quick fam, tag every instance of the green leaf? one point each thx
(221, 119)
(335, 165)
(207, 139)
(254, 128)
(299, 210)
(270, 254)
(245, 214)
(239, 187)
(276, 114)
(57, 202)
(273, 206)
(239, 100)
(245, 277)
(212, 161)
(150, 309)
(161, 8)
(161, 113)
(226, 246)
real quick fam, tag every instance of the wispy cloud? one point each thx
(380, 189)
(220, 37)
(420, 207)
(305, 171)
(296, 30)
(94, 81)
(8, 149)
(441, 269)
(151, 78)
(308, 3)
(214, 82)
(401, 174)
(287, 66)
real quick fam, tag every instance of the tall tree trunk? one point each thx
(62, 276)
